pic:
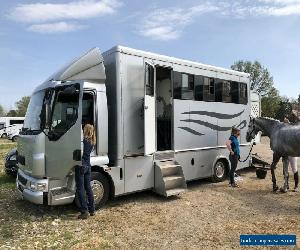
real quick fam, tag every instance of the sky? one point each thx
(39, 37)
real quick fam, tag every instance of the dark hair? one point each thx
(234, 130)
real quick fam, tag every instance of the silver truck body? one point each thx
(150, 133)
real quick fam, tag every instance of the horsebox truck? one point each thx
(160, 122)
(9, 125)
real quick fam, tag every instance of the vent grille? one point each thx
(22, 180)
(255, 109)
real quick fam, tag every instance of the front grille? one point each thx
(22, 180)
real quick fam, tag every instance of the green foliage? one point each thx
(22, 105)
(12, 113)
(270, 103)
(261, 80)
(2, 112)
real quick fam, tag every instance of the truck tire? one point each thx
(261, 173)
(101, 189)
(220, 171)
(15, 138)
(4, 136)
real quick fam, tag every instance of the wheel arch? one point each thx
(100, 169)
(223, 159)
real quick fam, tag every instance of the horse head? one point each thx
(252, 130)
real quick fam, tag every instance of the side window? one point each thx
(183, 86)
(199, 83)
(209, 89)
(243, 94)
(235, 92)
(219, 90)
(149, 79)
(88, 108)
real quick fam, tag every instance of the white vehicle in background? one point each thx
(13, 135)
(10, 125)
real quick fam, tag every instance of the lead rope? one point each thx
(248, 154)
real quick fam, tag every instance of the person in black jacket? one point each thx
(83, 174)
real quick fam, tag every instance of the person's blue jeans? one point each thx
(83, 185)
(233, 162)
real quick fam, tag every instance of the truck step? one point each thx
(61, 196)
(175, 191)
(173, 181)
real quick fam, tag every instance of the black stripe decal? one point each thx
(208, 125)
(214, 114)
(242, 125)
(194, 132)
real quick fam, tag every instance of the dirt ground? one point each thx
(208, 216)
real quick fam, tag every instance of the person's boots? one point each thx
(83, 216)
(296, 179)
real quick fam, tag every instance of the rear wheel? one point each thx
(101, 189)
(220, 171)
(15, 138)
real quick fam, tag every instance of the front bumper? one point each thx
(23, 185)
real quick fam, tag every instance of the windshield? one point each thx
(33, 118)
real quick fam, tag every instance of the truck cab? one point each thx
(50, 143)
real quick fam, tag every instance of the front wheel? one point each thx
(15, 138)
(220, 171)
(3, 136)
(101, 189)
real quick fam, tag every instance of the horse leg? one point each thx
(276, 159)
(285, 161)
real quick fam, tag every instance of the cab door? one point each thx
(63, 146)
(149, 109)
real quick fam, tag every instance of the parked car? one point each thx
(13, 136)
(11, 163)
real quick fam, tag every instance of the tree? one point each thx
(270, 103)
(285, 110)
(260, 77)
(12, 113)
(22, 105)
(2, 112)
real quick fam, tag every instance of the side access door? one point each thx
(149, 109)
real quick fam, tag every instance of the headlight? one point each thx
(13, 157)
(38, 186)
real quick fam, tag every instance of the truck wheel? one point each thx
(261, 173)
(100, 187)
(3, 136)
(220, 171)
(15, 138)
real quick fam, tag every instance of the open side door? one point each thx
(149, 109)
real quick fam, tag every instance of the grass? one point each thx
(24, 225)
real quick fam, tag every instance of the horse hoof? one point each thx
(283, 190)
(275, 188)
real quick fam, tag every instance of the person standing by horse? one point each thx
(293, 162)
(233, 146)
